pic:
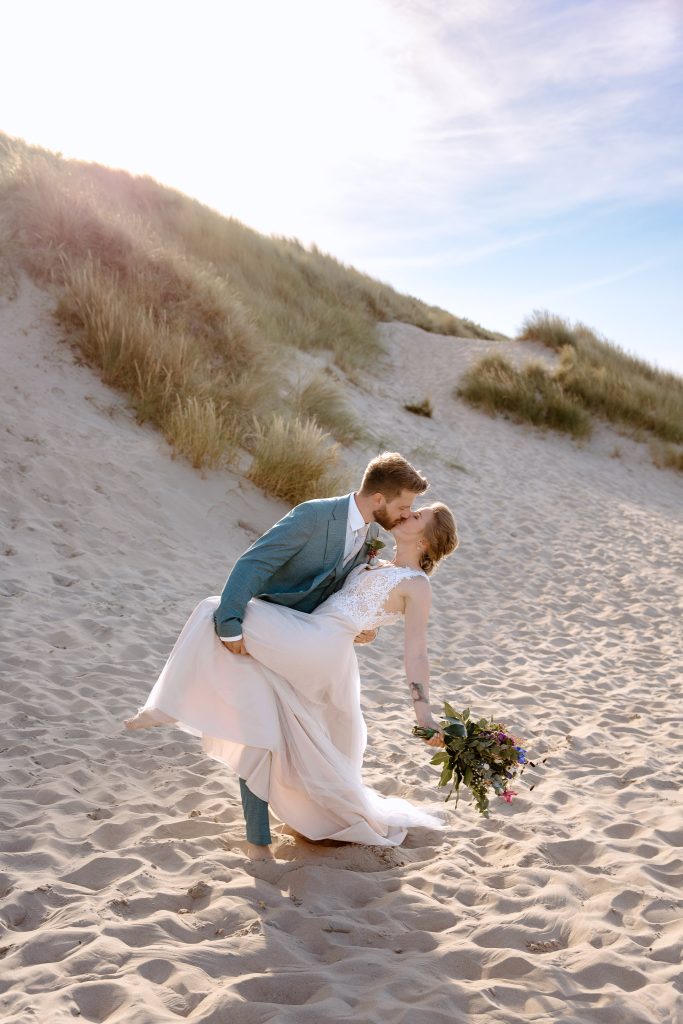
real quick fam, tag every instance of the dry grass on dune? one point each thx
(666, 456)
(547, 328)
(593, 378)
(191, 313)
(193, 316)
(322, 400)
(305, 297)
(529, 395)
(291, 455)
(608, 381)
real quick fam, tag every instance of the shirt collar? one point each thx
(355, 520)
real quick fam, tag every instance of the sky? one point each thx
(492, 157)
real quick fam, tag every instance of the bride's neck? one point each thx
(407, 557)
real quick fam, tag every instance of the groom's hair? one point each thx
(389, 474)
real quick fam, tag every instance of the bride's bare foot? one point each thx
(147, 718)
(257, 852)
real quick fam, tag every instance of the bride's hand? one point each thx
(437, 740)
(365, 637)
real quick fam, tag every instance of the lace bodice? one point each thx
(365, 593)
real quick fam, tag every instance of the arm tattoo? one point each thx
(417, 694)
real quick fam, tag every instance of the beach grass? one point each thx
(527, 395)
(593, 379)
(293, 456)
(321, 399)
(667, 456)
(197, 318)
(607, 380)
(192, 314)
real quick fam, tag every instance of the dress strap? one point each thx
(407, 571)
(404, 570)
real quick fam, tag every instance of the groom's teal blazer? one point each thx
(298, 562)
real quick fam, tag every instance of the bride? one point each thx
(287, 717)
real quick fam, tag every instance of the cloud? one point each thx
(412, 121)
(461, 255)
(603, 280)
(528, 109)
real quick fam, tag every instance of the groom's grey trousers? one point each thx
(255, 815)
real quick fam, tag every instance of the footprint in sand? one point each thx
(64, 581)
(100, 872)
(98, 1000)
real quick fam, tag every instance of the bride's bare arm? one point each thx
(418, 605)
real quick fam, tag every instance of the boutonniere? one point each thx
(374, 547)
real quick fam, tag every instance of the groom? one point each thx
(304, 558)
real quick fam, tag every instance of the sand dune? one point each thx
(126, 896)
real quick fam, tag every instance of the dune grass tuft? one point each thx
(608, 381)
(547, 328)
(320, 399)
(667, 456)
(593, 378)
(529, 395)
(295, 460)
(624, 390)
(124, 339)
(200, 432)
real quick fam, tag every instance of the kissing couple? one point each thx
(267, 675)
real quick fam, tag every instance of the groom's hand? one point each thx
(366, 637)
(235, 646)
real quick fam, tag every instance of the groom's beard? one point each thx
(385, 520)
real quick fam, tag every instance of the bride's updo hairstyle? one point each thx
(441, 535)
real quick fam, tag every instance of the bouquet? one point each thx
(483, 755)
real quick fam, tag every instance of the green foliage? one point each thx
(480, 754)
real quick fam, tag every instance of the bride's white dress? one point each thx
(288, 718)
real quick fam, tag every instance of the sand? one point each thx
(126, 893)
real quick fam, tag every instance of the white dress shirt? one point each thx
(356, 532)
